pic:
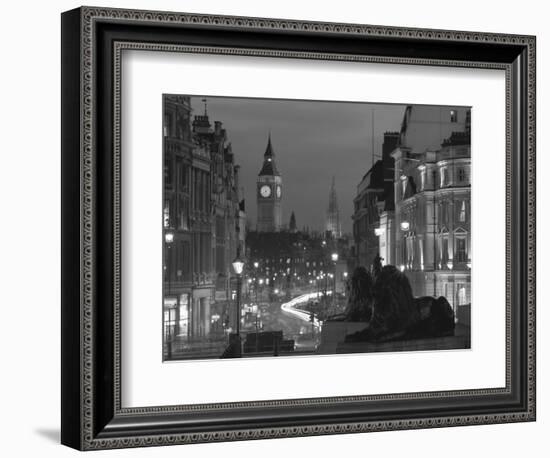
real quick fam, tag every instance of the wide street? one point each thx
(286, 316)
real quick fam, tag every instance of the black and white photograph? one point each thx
(306, 227)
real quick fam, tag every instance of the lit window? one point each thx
(461, 293)
(461, 249)
(454, 116)
(445, 248)
(462, 216)
(166, 213)
(443, 177)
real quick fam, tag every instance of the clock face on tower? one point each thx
(278, 192)
(265, 191)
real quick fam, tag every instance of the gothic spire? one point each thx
(269, 167)
(333, 213)
(292, 224)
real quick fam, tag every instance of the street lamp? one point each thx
(334, 257)
(169, 237)
(238, 265)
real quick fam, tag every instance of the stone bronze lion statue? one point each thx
(385, 300)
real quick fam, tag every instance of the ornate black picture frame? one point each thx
(92, 42)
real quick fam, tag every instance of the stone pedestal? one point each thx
(334, 333)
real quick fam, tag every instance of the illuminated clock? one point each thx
(278, 192)
(265, 191)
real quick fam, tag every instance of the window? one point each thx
(168, 172)
(184, 315)
(434, 177)
(168, 122)
(443, 177)
(183, 216)
(461, 250)
(220, 228)
(445, 249)
(186, 261)
(461, 294)
(183, 178)
(461, 175)
(462, 214)
(179, 260)
(410, 251)
(443, 212)
(165, 127)
(167, 217)
(454, 116)
(422, 179)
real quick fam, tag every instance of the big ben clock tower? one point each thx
(269, 193)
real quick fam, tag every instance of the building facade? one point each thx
(373, 203)
(432, 203)
(203, 221)
(177, 210)
(413, 206)
(269, 193)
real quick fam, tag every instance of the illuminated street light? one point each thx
(378, 231)
(238, 266)
(334, 257)
(169, 237)
(405, 225)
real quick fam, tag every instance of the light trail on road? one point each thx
(290, 307)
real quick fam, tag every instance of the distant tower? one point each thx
(292, 224)
(269, 193)
(333, 214)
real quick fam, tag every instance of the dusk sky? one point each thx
(312, 142)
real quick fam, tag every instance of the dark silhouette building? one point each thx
(375, 195)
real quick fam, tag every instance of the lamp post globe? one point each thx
(238, 266)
